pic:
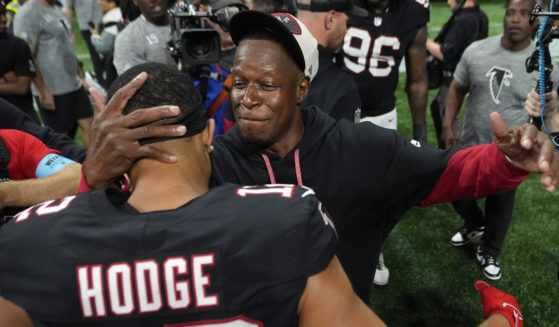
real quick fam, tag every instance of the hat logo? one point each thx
(289, 21)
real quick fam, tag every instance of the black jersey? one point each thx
(374, 47)
(237, 255)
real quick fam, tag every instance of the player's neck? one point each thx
(158, 186)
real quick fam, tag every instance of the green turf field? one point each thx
(431, 282)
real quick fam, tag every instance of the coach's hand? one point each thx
(496, 302)
(529, 149)
(114, 137)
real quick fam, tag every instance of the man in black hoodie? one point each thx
(275, 141)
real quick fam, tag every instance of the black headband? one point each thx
(195, 123)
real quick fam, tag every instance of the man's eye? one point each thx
(269, 87)
(238, 84)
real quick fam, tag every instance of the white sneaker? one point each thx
(382, 273)
(466, 235)
(490, 266)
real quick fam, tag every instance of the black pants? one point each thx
(497, 218)
(98, 65)
(437, 112)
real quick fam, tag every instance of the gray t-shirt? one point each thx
(47, 29)
(497, 81)
(139, 42)
(86, 11)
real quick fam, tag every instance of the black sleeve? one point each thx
(459, 36)
(14, 118)
(23, 64)
(321, 238)
(406, 172)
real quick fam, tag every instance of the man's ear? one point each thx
(303, 89)
(329, 20)
(208, 133)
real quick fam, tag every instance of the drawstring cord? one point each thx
(269, 167)
(297, 168)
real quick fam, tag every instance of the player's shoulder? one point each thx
(416, 5)
(267, 196)
(52, 213)
(277, 210)
(414, 10)
(283, 204)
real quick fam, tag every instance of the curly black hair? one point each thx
(166, 85)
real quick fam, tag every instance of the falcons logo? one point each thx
(497, 77)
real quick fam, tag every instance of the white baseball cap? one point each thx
(299, 43)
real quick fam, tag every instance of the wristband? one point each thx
(83, 187)
(50, 164)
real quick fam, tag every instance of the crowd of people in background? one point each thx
(303, 94)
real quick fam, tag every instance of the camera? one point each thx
(193, 41)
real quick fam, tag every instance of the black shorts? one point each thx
(70, 107)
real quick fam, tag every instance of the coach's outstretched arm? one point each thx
(528, 149)
(114, 138)
(482, 170)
